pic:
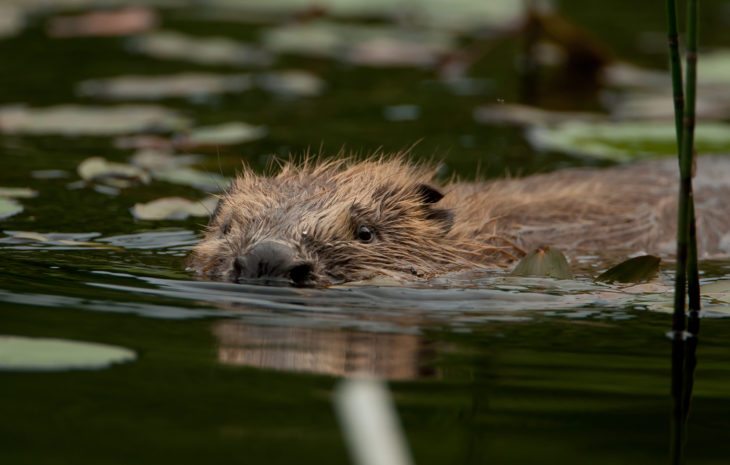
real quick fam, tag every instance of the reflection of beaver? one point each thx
(320, 223)
(340, 352)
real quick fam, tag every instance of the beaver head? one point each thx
(319, 223)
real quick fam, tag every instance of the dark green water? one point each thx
(506, 372)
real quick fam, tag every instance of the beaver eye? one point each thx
(365, 234)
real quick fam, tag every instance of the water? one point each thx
(484, 368)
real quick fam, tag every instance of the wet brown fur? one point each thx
(316, 206)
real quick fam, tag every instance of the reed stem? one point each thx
(683, 344)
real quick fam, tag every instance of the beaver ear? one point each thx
(428, 194)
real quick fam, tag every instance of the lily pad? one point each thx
(173, 208)
(544, 262)
(19, 353)
(97, 169)
(154, 160)
(717, 290)
(18, 192)
(638, 105)
(166, 86)
(292, 83)
(205, 51)
(80, 120)
(9, 207)
(456, 15)
(634, 270)
(368, 45)
(715, 68)
(203, 180)
(224, 134)
(647, 93)
(125, 21)
(144, 142)
(12, 20)
(625, 141)
(56, 241)
(524, 115)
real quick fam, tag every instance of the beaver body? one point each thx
(319, 223)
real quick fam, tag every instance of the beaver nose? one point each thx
(273, 260)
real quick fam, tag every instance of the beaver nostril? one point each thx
(301, 273)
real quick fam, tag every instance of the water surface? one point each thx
(484, 368)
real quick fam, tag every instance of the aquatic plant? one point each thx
(684, 330)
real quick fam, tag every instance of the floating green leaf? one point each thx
(97, 169)
(544, 262)
(173, 208)
(39, 354)
(524, 115)
(124, 21)
(446, 14)
(203, 180)
(166, 86)
(370, 45)
(291, 83)
(12, 20)
(224, 134)
(154, 160)
(18, 192)
(9, 207)
(718, 291)
(633, 270)
(625, 141)
(58, 240)
(80, 120)
(202, 50)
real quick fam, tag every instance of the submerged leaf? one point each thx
(173, 208)
(9, 207)
(97, 169)
(544, 262)
(633, 270)
(19, 353)
(402, 112)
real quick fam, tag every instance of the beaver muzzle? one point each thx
(272, 259)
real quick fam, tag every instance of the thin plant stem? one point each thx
(687, 162)
(678, 94)
(678, 317)
(686, 206)
(676, 69)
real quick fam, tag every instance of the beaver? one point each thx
(320, 222)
